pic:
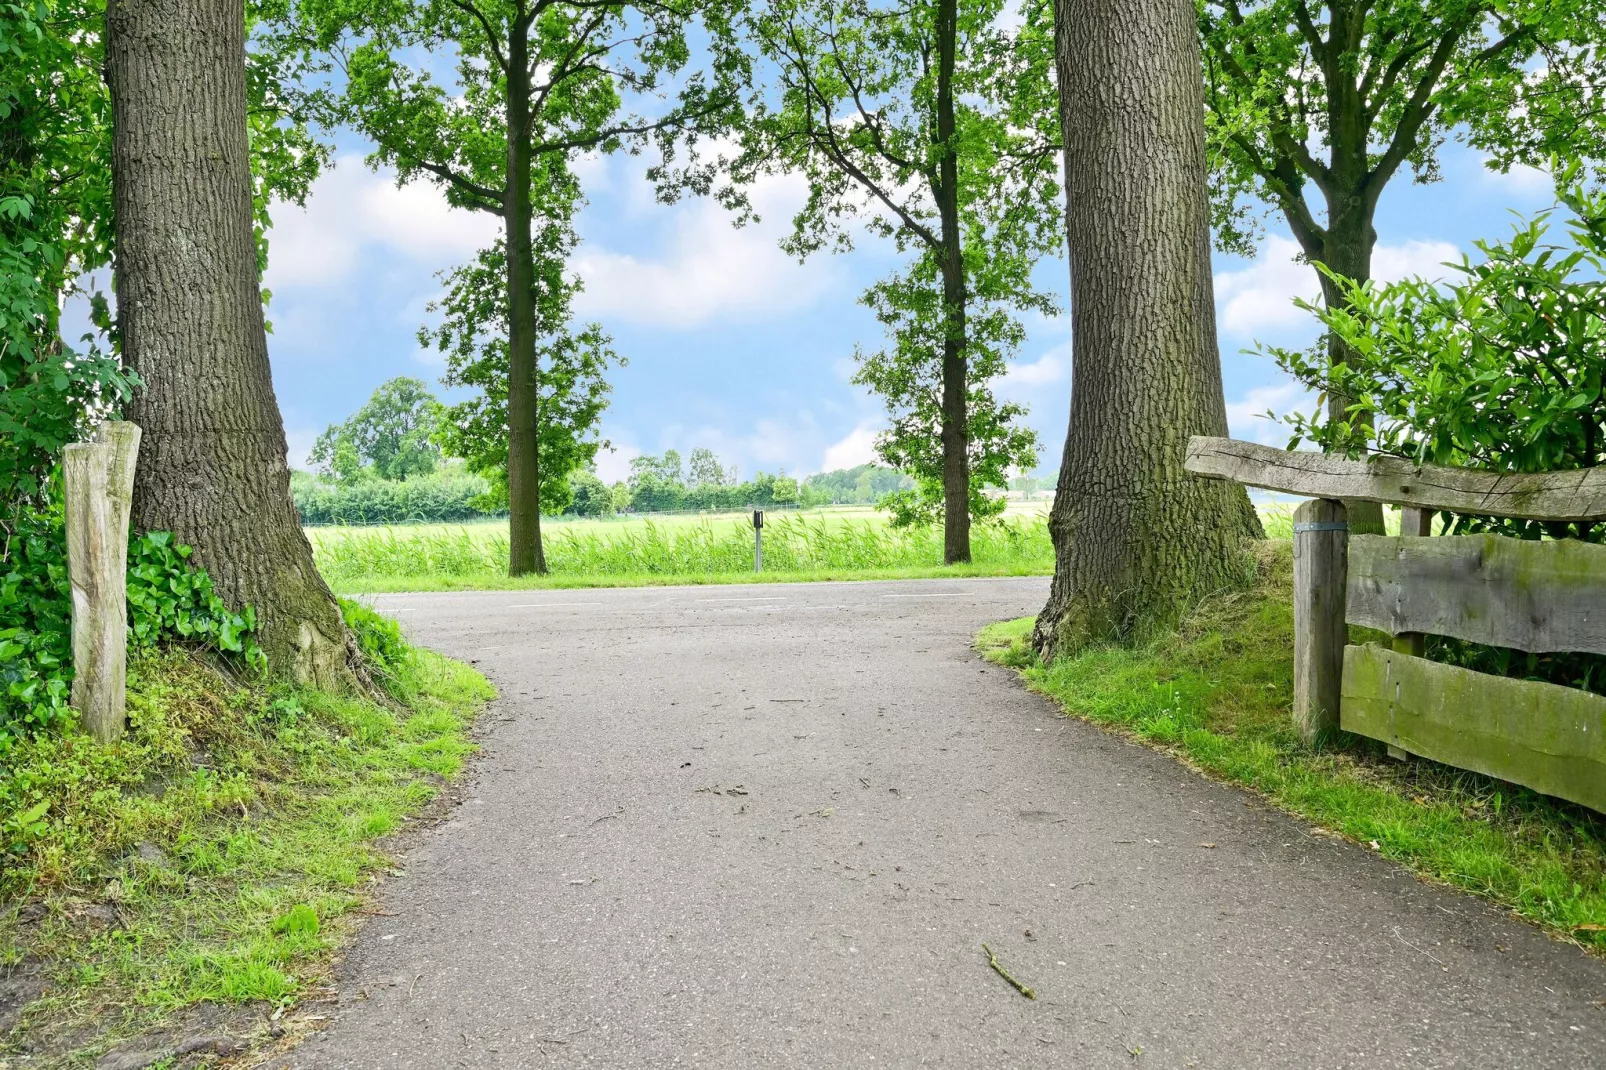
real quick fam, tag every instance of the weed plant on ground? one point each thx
(217, 852)
(1219, 695)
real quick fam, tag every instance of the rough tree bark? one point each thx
(213, 468)
(1136, 539)
(955, 365)
(525, 552)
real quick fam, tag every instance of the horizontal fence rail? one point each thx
(1574, 495)
(1542, 597)
(1539, 597)
(1544, 736)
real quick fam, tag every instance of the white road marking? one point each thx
(933, 594)
(767, 598)
(546, 605)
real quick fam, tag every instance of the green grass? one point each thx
(217, 853)
(835, 543)
(1218, 696)
(686, 550)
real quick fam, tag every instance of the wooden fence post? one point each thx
(1321, 561)
(1415, 520)
(98, 480)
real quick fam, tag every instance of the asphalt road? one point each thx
(772, 826)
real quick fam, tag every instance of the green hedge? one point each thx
(445, 497)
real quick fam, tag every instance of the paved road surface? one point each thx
(772, 826)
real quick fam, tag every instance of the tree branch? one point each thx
(1417, 112)
(486, 198)
(827, 140)
(485, 24)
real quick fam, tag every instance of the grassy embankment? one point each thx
(1218, 696)
(216, 856)
(830, 544)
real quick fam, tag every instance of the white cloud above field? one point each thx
(614, 464)
(300, 441)
(353, 212)
(707, 270)
(1260, 297)
(855, 448)
(1024, 380)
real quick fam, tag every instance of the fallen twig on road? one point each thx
(998, 968)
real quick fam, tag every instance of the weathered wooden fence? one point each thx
(1539, 597)
(98, 484)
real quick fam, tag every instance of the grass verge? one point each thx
(216, 857)
(1218, 696)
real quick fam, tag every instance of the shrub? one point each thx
(449, 496)
(378, 637)
(591, 495)
(168, 599)
(1500, 370)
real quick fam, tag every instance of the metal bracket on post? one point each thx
(758, 540)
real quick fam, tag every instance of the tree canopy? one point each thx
(1333, 98)
(395, 432)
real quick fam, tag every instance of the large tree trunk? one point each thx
(1136, 539)
(525, 552)
(189, 305)
(955, 366)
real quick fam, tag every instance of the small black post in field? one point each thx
(758, 540)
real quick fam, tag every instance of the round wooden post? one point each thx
(1321, 565)
(98, 485)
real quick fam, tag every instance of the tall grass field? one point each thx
(690, 548)
(834, 543)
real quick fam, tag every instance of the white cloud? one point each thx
(708, 269)
(856, 448)
(1414, 259)
(614, 465)
(1051, 367)
(1522, 180)
(1246, 417)
(1261, 296)
(1519, 182)
(350, 210)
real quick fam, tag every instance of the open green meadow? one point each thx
(837, 542)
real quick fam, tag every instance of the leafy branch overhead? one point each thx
(1336, 97)
(554, 75)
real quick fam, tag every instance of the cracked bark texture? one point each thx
(213, 469)
(1136, 539)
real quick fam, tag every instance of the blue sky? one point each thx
(736, 346)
